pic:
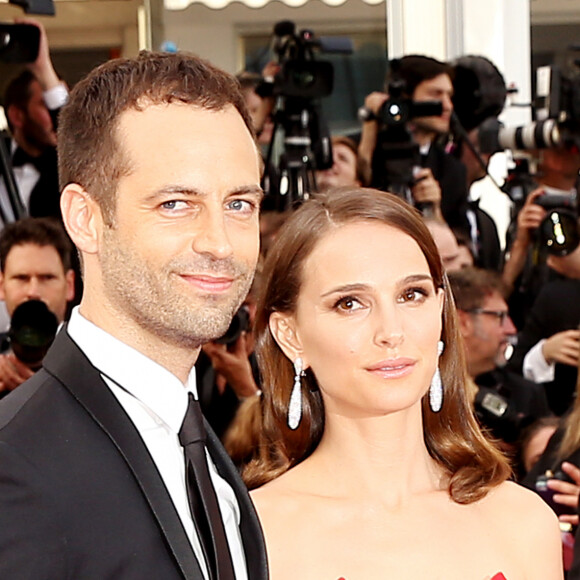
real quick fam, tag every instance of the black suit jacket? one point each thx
(556, 308)
(80, 496)
(452, 177)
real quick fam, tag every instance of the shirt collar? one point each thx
(153, 385)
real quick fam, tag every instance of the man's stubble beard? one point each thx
(152, 300)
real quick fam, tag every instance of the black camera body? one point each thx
(558, 233)
(32, 330)
(298, 87)
(300, 75)
(396, 154)
(497, 411)
(19, 43)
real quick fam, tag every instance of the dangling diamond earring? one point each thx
(295, 406)
(436, 388)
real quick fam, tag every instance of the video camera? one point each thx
(397, 156)
(298, 87)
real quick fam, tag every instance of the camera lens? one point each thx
(559, 232)
(304, 78)
(32, 330)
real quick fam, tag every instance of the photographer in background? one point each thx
(548, 346)
(35, 264)
(347, 169)
(31, 102)
(227, 370)
(527, 267)
(441, 179)
(504, 402)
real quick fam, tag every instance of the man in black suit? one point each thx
(161, 198)
(32, 101)
(35, 264)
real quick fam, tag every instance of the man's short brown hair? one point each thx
(471, 286)
(40, 232)
(89, 150)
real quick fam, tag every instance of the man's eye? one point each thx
(173, 204)
(241, 205)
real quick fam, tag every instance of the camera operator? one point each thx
(227, 370)
(35, 264)
(346, 170)
(527, 267)
(260, 105)
(441, 180)
(548, 346)
(505, 403)
(32, 101)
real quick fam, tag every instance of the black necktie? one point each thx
(202, 498)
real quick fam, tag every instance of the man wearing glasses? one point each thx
(504, 401)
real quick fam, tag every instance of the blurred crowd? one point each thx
(515, 280)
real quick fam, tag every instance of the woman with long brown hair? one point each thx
(370, 464)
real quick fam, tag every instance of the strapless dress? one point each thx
(498, 576)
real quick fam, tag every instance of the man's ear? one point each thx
(465, 323)
(2, 295)
(82, 218)
(15, 116)
(283, 329)
(70, 285)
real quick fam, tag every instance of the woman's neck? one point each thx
(379, 455)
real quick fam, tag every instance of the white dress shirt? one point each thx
(156, 401)
(535, 367)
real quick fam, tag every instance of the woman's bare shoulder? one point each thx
(510, 497)
(529, 526)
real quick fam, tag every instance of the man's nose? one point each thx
(212, 236)
(33, 289)
(509, 327)
(447, 103)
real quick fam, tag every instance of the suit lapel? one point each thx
(68, 364)
(251, 531)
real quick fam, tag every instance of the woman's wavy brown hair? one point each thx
(452, 436)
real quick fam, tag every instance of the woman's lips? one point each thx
(211, 284)
(393, 368)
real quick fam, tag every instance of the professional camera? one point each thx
(298, 87)
(32, 330)
(558, 233)
(557, 111)
(19, 43)
(240, 323)
(497, 413)
(396, 157)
